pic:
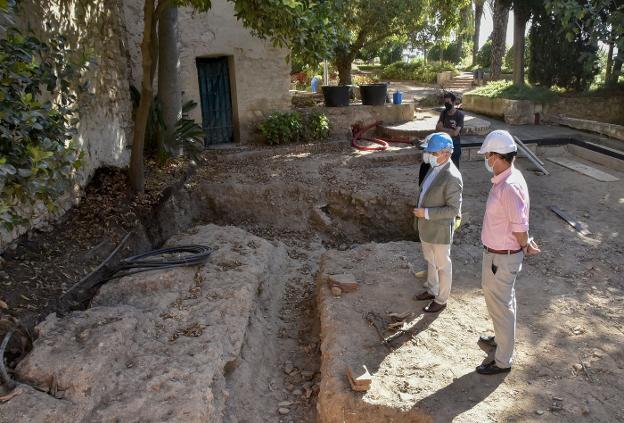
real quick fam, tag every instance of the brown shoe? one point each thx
(434, 307)
(424, 296)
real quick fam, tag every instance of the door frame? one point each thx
(233, 91)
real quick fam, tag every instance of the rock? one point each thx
(285, 404)
(297, 392)
(307, 374)
(125, 326)
(539, 412)
(3, 305)
(345, 281)
(336, 291)
(283, 411)
(577, 366)
(288, 368)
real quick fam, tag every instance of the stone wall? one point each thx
(94, 29)
(341, 118)
(260, 71)
(513, 112)
(600, 109)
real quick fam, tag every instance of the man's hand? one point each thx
(532, 248)
(419, 213)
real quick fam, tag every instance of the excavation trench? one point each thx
(239, 339)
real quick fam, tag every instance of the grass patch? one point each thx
(506, 89)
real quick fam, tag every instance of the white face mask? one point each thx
(433, 161)
(488, 167)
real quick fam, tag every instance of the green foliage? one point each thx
(38, 114)
(289, 127)
(451, 52)
(568, 60)
(604, 17)
(416, 71)
(188, 135)
(506, 89)
(484, 55)
(509, 56)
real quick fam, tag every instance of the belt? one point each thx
(493, 251)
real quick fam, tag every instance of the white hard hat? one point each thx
(499, 141)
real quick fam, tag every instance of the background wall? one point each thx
(261, 72)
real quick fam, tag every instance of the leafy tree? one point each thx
(452, 52)
(557, 59)
(370, 22)
(605, 17)
(305, 26)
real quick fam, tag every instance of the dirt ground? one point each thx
(569, 358)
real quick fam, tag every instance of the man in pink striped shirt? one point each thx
(505, 237)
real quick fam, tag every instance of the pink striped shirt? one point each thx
(506, 211)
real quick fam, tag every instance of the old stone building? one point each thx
(232, 75)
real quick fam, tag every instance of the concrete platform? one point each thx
(425, 122)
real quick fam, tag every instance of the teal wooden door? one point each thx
(216, 103)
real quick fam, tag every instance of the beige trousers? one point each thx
(498, 277)
(439, 270)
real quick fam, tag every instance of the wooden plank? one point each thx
(584, 169)
(579, 226)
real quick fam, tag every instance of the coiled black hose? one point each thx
(4, 375)
(154, 260)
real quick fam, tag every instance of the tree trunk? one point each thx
(169, 93)
(343, 63)
(617, 66)
(499, 33)
(520, 21)
(477, 29)
(136, 173)
(609, 63)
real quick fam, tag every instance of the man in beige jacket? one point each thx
(439, 203)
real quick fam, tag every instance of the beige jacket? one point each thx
(443, 199)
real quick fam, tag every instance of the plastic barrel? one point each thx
(397, 97)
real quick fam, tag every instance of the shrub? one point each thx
(506, 89)
(416, 71)
(484, 55)
(38, 116)
(364, 79)
(289, 127)
(315, 127)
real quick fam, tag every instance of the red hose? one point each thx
(358, 134)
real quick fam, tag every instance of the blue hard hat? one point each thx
(439, 141)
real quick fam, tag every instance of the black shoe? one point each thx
(434, 307)
(491, 369)
(424, 296)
